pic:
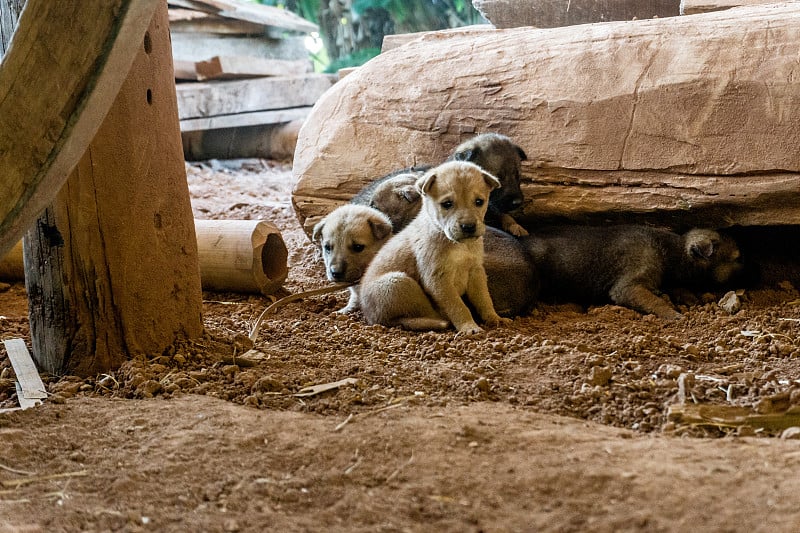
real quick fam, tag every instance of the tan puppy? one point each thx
(349, 237)
(419, 278)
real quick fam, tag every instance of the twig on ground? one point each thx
(399, 468)
(34, 479)
(15, 471)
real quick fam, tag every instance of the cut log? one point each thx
(234, 255)
(555, 13)
(682, 121)
(112, 267)
(241, 256)
(237, 67)
(208, 99)
(268, 141)
(43, 133)
(692, 7)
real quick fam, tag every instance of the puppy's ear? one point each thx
(491, 180)
(316, 233)
(522, 155)
(701, 243)
(409, 193)
(424, 184)
(380, 228)
(470, 154)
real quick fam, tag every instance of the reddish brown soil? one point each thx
(556, 423)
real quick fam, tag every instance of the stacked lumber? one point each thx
(244, 76)
(680, 121)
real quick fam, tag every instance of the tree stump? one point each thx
(112, 267)
(680, 121)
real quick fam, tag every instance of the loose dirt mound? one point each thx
(434, 430)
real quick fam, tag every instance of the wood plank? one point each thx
(693, 7)
(187, 20)
(731, 416)
(201, 46)
(239, 120)
(208, 99)
(30, 388)
(619, 121)
(250, 12)
(43, 133)
(185, 70)
(239, 67)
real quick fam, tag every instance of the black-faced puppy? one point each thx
(349, 237)
(500, 157)
(419, 278)
(629, 264)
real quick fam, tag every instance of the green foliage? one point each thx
(357, 58)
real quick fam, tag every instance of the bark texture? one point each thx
(683, 120)
(112, 267)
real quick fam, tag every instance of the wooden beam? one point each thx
(240, 120)
(112, 266)
(208, 99)
(238, 67)
(257, 13)
(44, 132)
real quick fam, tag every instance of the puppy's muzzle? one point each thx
(468, 229)
(337, 273)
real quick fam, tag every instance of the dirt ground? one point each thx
(568, 420)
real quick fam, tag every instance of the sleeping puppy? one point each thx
(500, 157)
(395, 194)
(420, 277)
(349, 237)
(629, 264)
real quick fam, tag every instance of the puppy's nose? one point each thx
(336, 274)
(469, 229)
(516, 202)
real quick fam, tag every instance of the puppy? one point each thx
(395, 194)
(511, 273)
(500, 157)
(420, 276)
(629, 264)
(349, 237)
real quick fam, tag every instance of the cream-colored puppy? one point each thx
(419, 278)
(349, 237)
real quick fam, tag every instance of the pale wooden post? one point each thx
(111, 267)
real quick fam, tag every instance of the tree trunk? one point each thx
(555, 13)
(112, 267)
(682, 120)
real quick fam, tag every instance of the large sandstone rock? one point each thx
(683, 120)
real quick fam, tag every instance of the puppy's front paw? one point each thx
(517, 230)
(497, 320)
(470, 329)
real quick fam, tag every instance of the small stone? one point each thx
(730, 302)
(482, 384)
(600, 375)
(148, 388)
(4, 286)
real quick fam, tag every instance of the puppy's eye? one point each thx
(479, 201)
(327, 248)
(447, 204)
(358, 248)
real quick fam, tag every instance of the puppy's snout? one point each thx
(468, 229)
(516, 202)
(336, 273)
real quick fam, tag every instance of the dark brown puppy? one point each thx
(395, 195)
(629, 264)
(500, 157)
